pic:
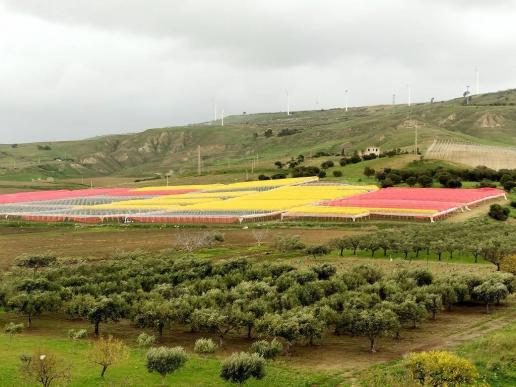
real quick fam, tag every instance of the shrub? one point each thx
(165, 360)
(13, 329)
(337, 173)
(145, 340)
(77, 334)
(440, 368)
(425, 181)
(286, 243)
(279, 176)
(327, 164)
(498, 212)
(513, 204)
(263, 177)
(267, 349)
(321, 174)
(411, 181)
(368, 171)
(204, 346)
(318, 250)
(303, 171)
(241, 366)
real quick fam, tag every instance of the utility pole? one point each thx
(199, 160)
(394, 99)
(222, 118)
(214, 110)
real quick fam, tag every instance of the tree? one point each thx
(327, 164)
(425, 181)
(353, 243)
(44, 368)
(241, 366)
(340, 244)
(274, 325)
(165, 360)
(410, 311)
(35, 262)
(97, 310)
(411, 181)
(108, 351)
(220, 321)
(33, 303)
(154, 314)
(498, 212)
(318, 250)
(268, 133)
(376, 323)
(368, 171)
(440, 369)
(279, 164)
(497, 250)
(490, 292)
(337, 173)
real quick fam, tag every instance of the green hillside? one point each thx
(489, 119)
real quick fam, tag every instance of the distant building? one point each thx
(371, 150)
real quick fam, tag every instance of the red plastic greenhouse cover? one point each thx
(417, 198)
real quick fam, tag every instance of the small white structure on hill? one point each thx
(371, 150)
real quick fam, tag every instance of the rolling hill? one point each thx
(489, 119)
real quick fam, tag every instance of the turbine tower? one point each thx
(346, 99)
(477, 79)
(409, 91)
(288, 102)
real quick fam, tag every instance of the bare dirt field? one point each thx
(102, 242)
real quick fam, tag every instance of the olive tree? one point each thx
(376, 323)
(490, 292)
(165, 360)
(239, 367)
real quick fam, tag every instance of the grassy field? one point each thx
(492, 353)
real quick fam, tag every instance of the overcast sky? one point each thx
(73, 69)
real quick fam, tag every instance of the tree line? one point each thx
(296, 306)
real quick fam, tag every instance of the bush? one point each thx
(425, 181)
(303, 171)
(204, 346)
(318, 250)
(286, 243)
(440, 368)
(368, 171)
(513, 204)
(327, 164)
(165, 360)
(263, 177)
(267, 349)
(241, 366)
(321, 174)
(279, 176)
(498, 212)
(337, 173)
(145, 340)
(13, 329)
(411, 181)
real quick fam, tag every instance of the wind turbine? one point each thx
(477, 79)
(346, 99)
(409, 91)
(288, 102)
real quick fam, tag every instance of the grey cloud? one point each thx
(72, 69)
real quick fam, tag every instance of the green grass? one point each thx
(493, 355)
(202, 371)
